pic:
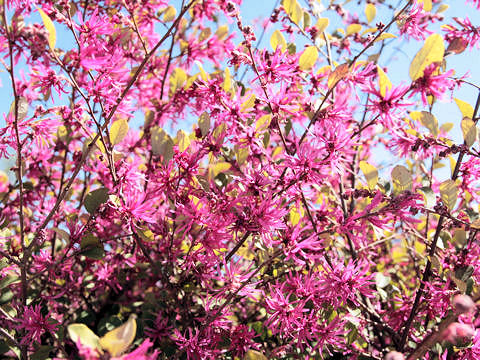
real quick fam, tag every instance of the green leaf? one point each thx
(431, 52)
(449, 193)
(42, 353)
(401, 178)
(52, 34)
(118, 131)
(92, 246)
(371, 174)
(8, 280)
(469, 131)
(308, 58)
(96, 198)
(81, 332)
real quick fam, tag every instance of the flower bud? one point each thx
(458, 334)
(463, 304)
(394, 355)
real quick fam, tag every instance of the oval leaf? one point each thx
(371, 174)
(254, 355)
(119, 339)
(96, 198)
(338, 74)
(401, 178)
(383, 81)
(308, 58)
(370, 12)
(465, 108)
(469, 131)
(277, 40)
(448, 193)
(118, 131)
(81, 333)
(52, 34)
(431, 52)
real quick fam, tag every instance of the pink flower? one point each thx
(35, 324)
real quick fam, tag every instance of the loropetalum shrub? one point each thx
(226, 197)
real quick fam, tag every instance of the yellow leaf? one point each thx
(401, 178)
(117, 341)
(177, 79)
(371, 174)
(242, 155)
(254, 355)
(219, 168)
(469, 131)
(353, 29)
(203, 74)
(322, 24)
(183, 140)
(221, 32)
(205, 34)
(162, 143)
(427, 4)
(370, 12)
(384, 36)
(82, 333)
(297, 14)
(431, 52)
(263, 123)
(52, 34)
(277, 39)
(204, 123)
(227, 82)
(338, 74)
(465, 108)
(383, 81)
(308, 58)
(169, 14)
(448, 193)
(249, 103)
(446, 127)
(118, 131)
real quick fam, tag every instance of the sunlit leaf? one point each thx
(340, 72)
(383, 81)
(117, 341)
(308, 58)
(428, 196)
(177, 79)
(219, 168)
(353, 29)
(370, 12)
(118, 131)
(448, 193)
(465, 108)
(254, 355)
(384, 36)
(431, 52)
(52, 34)
(469, 131)
(169, 14)
(277, 40)
(371, 174)
(322, 24)
(263, 123)
(162, 143)
(81, 333)
(204, 123)
(183, 140)
(427, 5)
(427, 119)
(401, 178)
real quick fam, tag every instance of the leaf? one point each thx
(465, 108)
(227, 82)
(219, 168)
(22, 108)
(52, 34)
(95, 198)
(340, 72)
(469, 131)
(431, 52)
(371, 174)
(177, 79)
(204, 123)
(81, 333)
(277, 39)
(370, 12)
(322, 24)
(427, 5)
(254, 355)
(162, 143)
(221, 32)
(249, 103)
(428, 196)
(117, 341)
(383, 81)
(448, 193)
(92, 246)
(308, 58)
(183, 140)
(263, 123)
(446, 127)
(401, 178)
(426, 119)
(118, 131)
(384, 36)
(169, 14)
(242, 154)
(353, 29)
(42, 353)
(457, 45)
